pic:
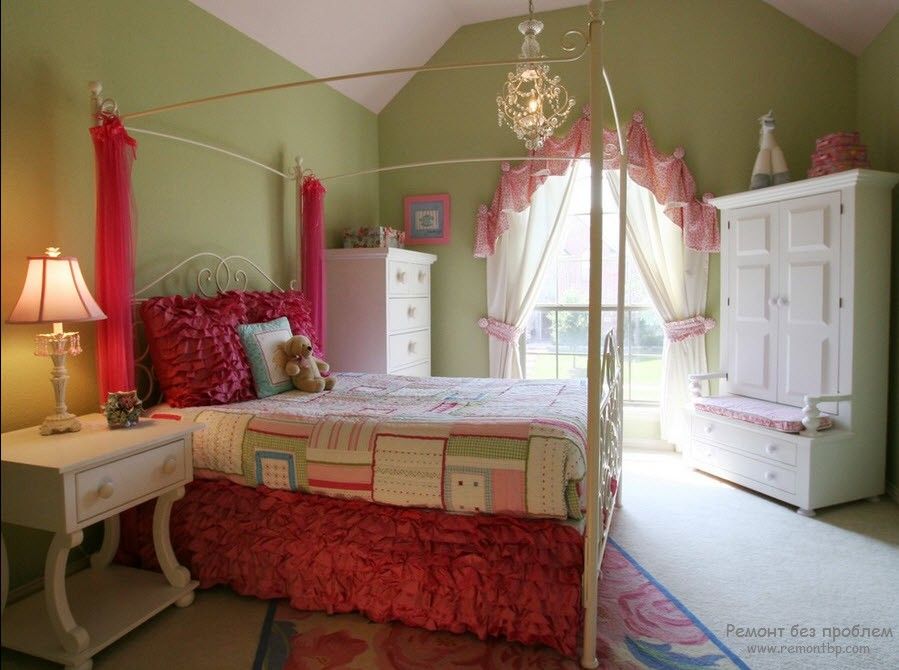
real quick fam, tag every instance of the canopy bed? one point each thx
(474, 572)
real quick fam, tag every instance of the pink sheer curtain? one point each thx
(666, 175)
(114, 152)
(313, 244)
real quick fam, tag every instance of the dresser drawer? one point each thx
(409, 348)
(767, 446)
(774, 476)
(408, 313)
(110, 485)
(417, 370)
(405, 278)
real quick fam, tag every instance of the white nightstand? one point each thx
(63, 483)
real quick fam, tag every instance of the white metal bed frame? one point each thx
(604, 369)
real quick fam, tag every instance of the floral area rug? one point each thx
(641, 625)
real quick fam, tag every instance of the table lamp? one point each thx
(55, 292)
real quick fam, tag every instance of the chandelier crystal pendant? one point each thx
(532, 103)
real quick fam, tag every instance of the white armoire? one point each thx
(379, 311)
(805, 311)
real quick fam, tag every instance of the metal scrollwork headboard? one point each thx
(217, 274)
(221, 276)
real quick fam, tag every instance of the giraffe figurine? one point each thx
(770, 166)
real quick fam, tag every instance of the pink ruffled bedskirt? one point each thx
(489, 575)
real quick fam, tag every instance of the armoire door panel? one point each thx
(752, 313)
(807, 230)
(812, 308)
(808, 297)
(751, 294)
(754, 379)
(753, 235)
(806, 370)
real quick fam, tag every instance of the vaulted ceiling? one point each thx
(343, 36)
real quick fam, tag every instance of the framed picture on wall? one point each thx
(427, 219)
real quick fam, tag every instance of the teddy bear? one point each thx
(304, 369)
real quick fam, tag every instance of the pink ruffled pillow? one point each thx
(264, 306)
(196, 351)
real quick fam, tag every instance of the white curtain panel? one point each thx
(515, 271)
(677, 279)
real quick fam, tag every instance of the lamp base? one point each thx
(60, 423)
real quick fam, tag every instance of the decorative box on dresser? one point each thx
(66, 482)
(379, 311)
(805, 283)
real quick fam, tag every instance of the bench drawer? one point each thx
(769, 447)
(766, 473)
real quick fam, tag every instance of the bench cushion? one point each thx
(785, 418)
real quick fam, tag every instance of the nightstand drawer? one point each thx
(114, 484)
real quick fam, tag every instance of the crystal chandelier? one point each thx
(532, 103)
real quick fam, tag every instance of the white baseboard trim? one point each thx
(893, 491)
(647, 444)
(37, 584)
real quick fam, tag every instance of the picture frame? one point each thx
(427, 219)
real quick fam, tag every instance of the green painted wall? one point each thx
(878, 121)
(703, 71)
(147, 54)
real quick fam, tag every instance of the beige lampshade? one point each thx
(54, 292)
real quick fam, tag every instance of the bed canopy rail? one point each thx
(604, 370)
(568, 45)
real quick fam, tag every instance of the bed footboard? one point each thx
(609, 479)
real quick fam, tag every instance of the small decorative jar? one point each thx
(122, 409)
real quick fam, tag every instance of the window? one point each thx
(556, 337)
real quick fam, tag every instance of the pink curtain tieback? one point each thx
(677, 331)
(505, 332)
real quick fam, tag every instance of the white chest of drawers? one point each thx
(64, 483)
(379, 311)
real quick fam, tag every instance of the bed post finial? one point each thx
(96, 89)
(298, 175)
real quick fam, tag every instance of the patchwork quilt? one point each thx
(458, 444)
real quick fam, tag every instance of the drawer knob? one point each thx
(708, 453)
(411, 346)
(411, 311)
(422, 275)
(770, 449)
(769, 476)
(105, 490)
(782, 301)
(170, 464)
(401, 277)
(708, 428)
(772, 302)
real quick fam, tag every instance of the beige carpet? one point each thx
(732, 557)
(737, 559)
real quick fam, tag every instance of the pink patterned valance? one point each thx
(667, 176)
(500, 330)
(677, 331)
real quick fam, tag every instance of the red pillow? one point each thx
(265, 306)
(197, 355)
